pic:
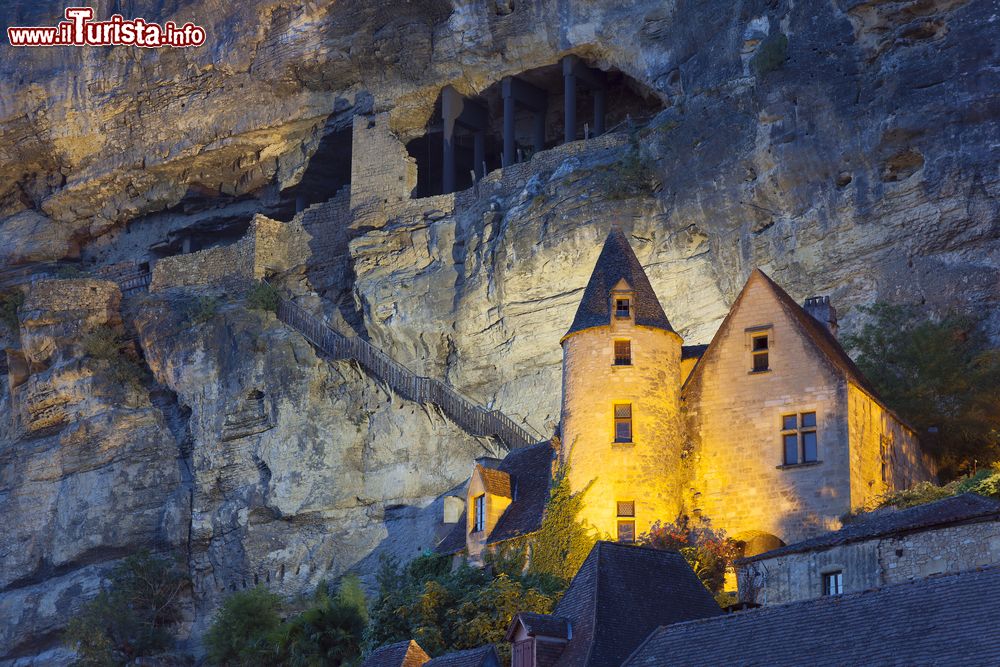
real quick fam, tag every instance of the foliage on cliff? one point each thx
(9, 303)
(709, 552)
(248, 630)
(447, 610)
(132, 616)
(940, 375)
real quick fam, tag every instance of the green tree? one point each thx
(562, 543)
(446, 609)
(942, 376)
(330, 631)
(709, 552)
(132, 615)
(246, 630)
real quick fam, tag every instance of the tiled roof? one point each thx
(530, 474)
(484, 656)
(545, 625)
(401, 654)
(693, 351)
(617, 261)
(948, 619)
(622, 593)
(956, 509)
(496, 482)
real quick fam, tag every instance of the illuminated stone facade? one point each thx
(773, 436)
(769, 433)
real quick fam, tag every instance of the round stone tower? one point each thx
(621, 425)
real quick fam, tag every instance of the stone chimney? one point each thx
(821, 310)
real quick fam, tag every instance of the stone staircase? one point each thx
(465, 413)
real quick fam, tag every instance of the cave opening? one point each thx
(328, 170)
(467, 137)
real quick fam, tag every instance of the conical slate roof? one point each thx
(617, 262)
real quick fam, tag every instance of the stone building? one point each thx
(950, 535)
(770, 432)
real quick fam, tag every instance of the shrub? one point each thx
(330, 631)
(132, 615)
(200, 310)
(245, 630)
(985, 482)
(124, 369)
(263, 296)
(771, 54)
(69, 272)
(709, 552)
(9, 304)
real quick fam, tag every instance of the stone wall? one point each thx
(382, 172)
(872, 563)
(646, 470)
(885, 453)
(735, 420)
(269, 246)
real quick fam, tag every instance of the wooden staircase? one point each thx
(465, 413)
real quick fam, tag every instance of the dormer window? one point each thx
(759, 350)
(623, 307)
(479, 514)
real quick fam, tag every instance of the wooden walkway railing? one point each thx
(469, 416)
(466, 414)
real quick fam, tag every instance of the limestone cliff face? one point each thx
(847, 148)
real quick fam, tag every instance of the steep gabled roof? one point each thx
(496, 482)
(622, 593)
(812, 330)
(618, 262)
(882, 523)
(484, 656)
(545, 625)
(939, 620)
(401, 654)
(529, 470)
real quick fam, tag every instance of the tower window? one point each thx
(479, 514)
(833, 583)
(626, 521)
(622, 308)
(759, 352)
(623, 353)
(798, 438)
(623, 422)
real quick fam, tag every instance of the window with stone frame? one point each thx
(799, 439)
(833, 583)
(479, 513)
(623, 307)
(760, 346)
(623, 422)
(623, 353)
(626, 521)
